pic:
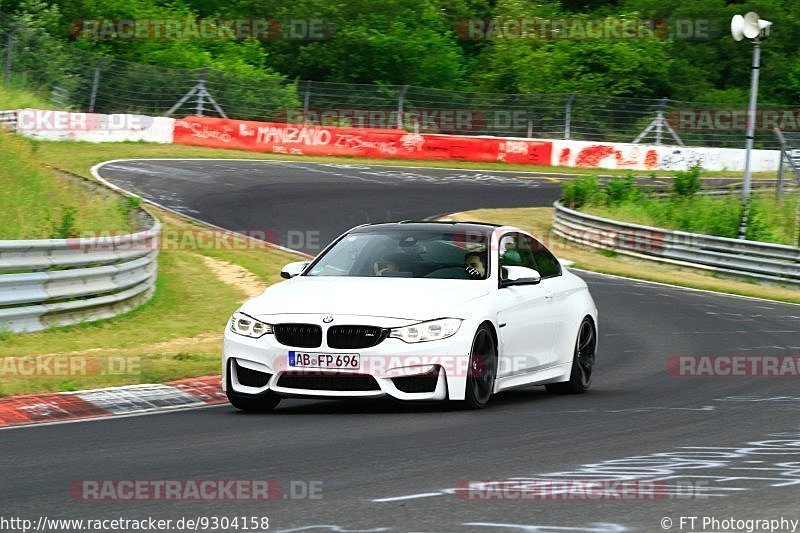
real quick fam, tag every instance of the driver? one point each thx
(388, 265)
(474, 265)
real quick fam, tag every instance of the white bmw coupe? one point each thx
(414, 311)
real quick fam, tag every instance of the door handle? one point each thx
(548, 295)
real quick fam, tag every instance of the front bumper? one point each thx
(434, 370)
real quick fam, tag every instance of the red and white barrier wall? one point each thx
(358, 142)
(90, 127)
(300, 139)
(586, 154)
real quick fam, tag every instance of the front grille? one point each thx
(355, 337)
(419, 383)
(299, 335)
(331, 382)
(251, 378)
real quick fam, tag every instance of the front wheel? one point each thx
(580, 377)
(482, 369)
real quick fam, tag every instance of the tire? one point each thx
(583, 360)
(250, 403)
(482, 369)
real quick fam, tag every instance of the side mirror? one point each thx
(520, 275)
(293, 269)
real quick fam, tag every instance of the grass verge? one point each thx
(177, 334)
(14, 98)
(37, 203)
(769, 220)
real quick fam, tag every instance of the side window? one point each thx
(515, 250)
(546, 263)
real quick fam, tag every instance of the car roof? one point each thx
(413, 225)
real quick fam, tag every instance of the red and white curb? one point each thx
(114, 401)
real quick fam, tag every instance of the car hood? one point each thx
(417, 299)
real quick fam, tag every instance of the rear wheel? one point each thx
(580, 378)
(482, 369)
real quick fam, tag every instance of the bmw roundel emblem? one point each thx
(327, 319)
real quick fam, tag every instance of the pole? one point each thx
(95, 84)
(9, 51)
(660, 120)
(568, 116)
(201, 89)
(400, 105)
(779, 185)
(797, 226)
(751, 118)
(306, 101)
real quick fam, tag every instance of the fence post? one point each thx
(306, 101)
(9, 50)
(400, 104)
(95, 84)
(201, 91)
(779, 184)
(797, 226)
(660, 118)
(568, 116)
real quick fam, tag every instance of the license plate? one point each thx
(324, 360)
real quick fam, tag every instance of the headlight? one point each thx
(249, 326)
(427, 331)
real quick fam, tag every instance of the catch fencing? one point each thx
(73, 78)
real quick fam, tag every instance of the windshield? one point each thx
(446, 253)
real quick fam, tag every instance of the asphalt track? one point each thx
(719, 447)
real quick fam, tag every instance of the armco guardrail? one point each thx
(56, 282)
(758, 260)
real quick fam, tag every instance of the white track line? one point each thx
(153, 411)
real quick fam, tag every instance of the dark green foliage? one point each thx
(687, 183)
